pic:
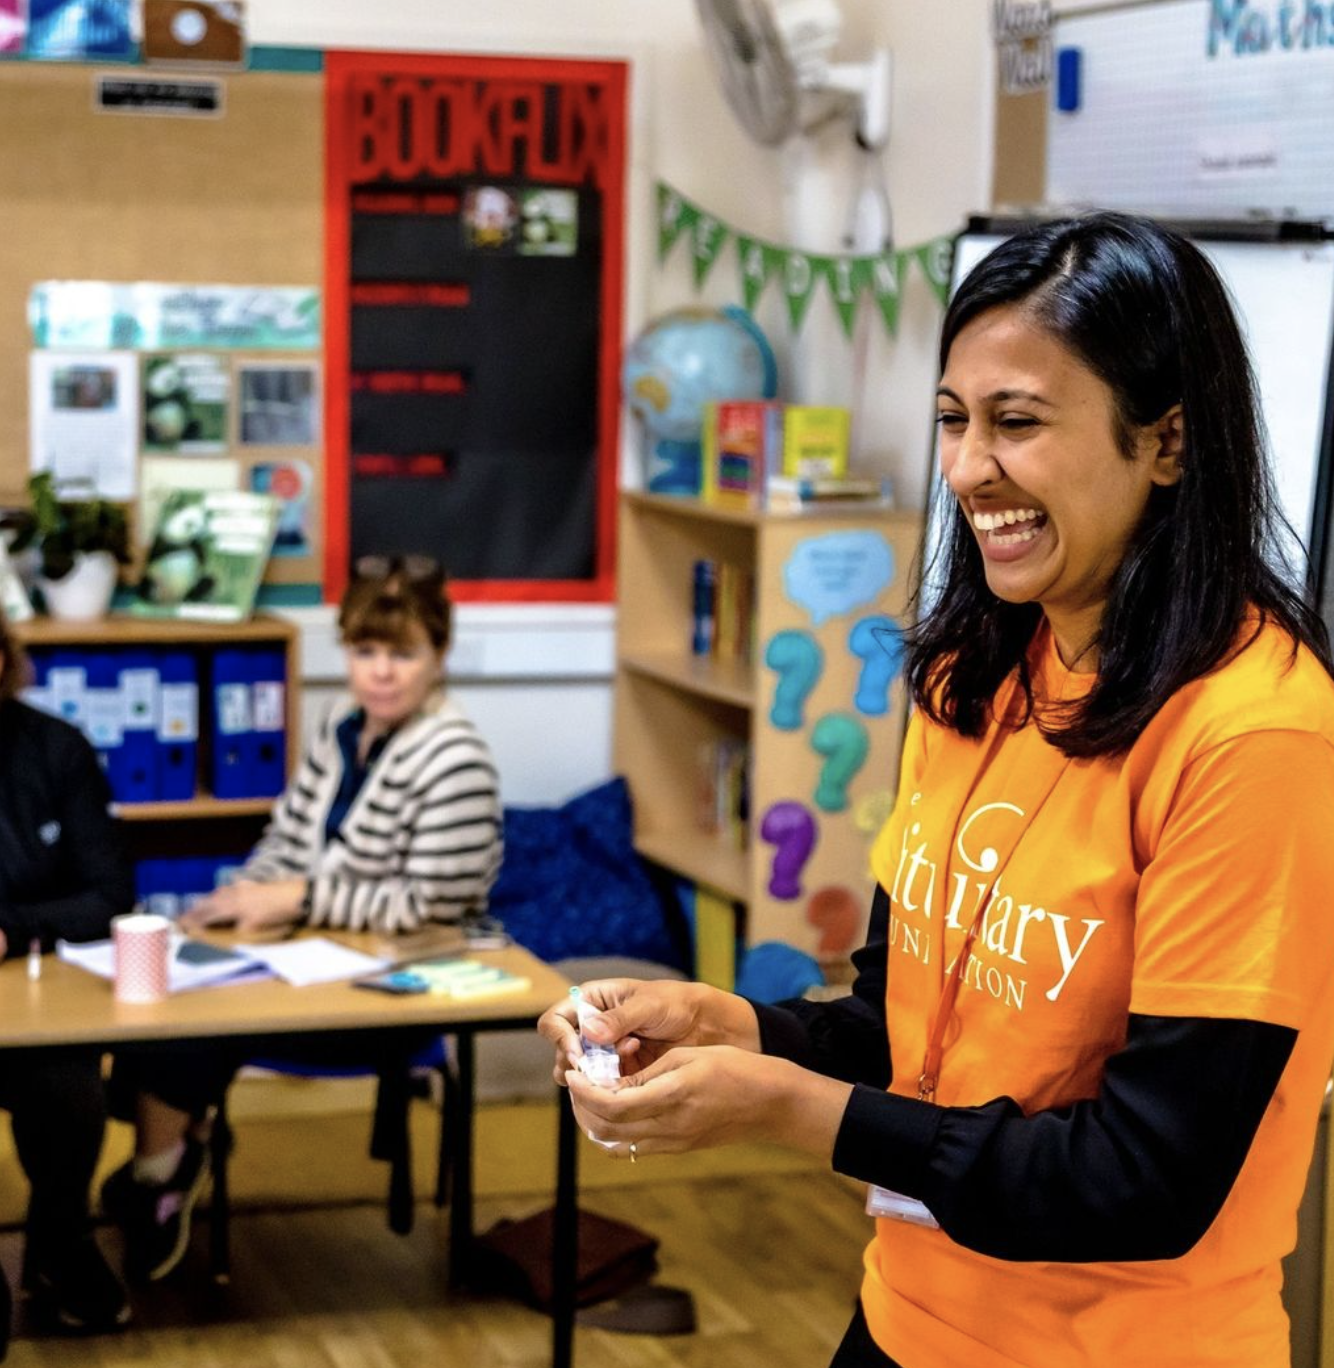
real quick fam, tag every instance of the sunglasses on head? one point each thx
(414, 569)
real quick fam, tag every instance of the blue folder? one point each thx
(178, 726)
(231, 715)
(103, 721)
(267, 745)
(134, 767)
(67, 685)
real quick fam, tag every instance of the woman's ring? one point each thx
(634, 1150)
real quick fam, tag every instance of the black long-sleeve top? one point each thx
(1138, 1172)
(64, 872)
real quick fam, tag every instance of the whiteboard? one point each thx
(1193, 109)
(1284, 296)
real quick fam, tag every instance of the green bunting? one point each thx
(674, 217)
(707, 237)
(936, 259)
(848, 278)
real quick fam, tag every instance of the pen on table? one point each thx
(34, 959)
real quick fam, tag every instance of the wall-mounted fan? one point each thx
(773, 60)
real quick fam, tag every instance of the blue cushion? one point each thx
(571, 884)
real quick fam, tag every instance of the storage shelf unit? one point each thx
(671, 705)
(204, 827)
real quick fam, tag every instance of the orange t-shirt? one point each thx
(1189, 877)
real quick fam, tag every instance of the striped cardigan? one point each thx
(421, 842)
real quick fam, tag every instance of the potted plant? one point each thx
(80, 544)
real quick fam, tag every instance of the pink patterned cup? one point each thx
(142, 942)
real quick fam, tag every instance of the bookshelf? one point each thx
(823, 741)
(201, 639)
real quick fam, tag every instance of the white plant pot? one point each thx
(85, 593)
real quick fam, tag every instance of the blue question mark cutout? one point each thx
(795, 656)
(790, 828)
(878, 643)
(843, 740)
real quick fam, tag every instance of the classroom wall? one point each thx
(518, 668)
(939, 167)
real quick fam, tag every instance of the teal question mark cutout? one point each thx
(878, 643)
(843, 740)
(795, 656)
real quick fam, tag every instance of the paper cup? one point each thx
(142, 942)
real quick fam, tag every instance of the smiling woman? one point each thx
(1086, 1094)
(1054, 486)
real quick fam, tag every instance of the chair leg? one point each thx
(391, 1139)
(220, 1211)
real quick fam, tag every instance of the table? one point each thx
(68, 1006)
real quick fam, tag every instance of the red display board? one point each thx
(473, 278)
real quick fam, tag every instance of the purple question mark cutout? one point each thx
(790, 828)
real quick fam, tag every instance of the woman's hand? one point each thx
(698, 1097)
(248, 906)
(646, 1018)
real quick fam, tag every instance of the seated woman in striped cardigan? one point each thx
(391, 823)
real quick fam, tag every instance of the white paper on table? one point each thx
(99, 957)
(314, 959)
(84, 421)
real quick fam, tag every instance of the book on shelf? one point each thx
(742, 441)
(207, 555)
(815, 441)
(722, 611)
(723, 791)
(790, 494)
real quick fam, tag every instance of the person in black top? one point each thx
(63, 875)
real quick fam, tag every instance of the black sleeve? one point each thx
(1139, 1172)
(844, 1038)
(97, 880)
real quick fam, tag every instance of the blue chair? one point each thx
(398, 1082)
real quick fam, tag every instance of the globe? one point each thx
(680, 362)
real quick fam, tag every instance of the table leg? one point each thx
(565, 1236)
(220, 1212)
(461, 1136)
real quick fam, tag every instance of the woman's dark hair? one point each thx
(13, 662)
(392, 600)
(1145, 311)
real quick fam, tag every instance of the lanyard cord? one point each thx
(949, 991)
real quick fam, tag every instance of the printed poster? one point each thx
(84, 420)
(185, 402)
(278, 405)
(13, 26)
(75, 30)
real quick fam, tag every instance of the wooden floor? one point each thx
(772, 1261)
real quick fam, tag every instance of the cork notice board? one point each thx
(231, 200)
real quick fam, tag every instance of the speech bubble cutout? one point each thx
(838, 572)
(795, 656)
(790, 828)
(843, 740)
(836, 914)
(878, 643)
